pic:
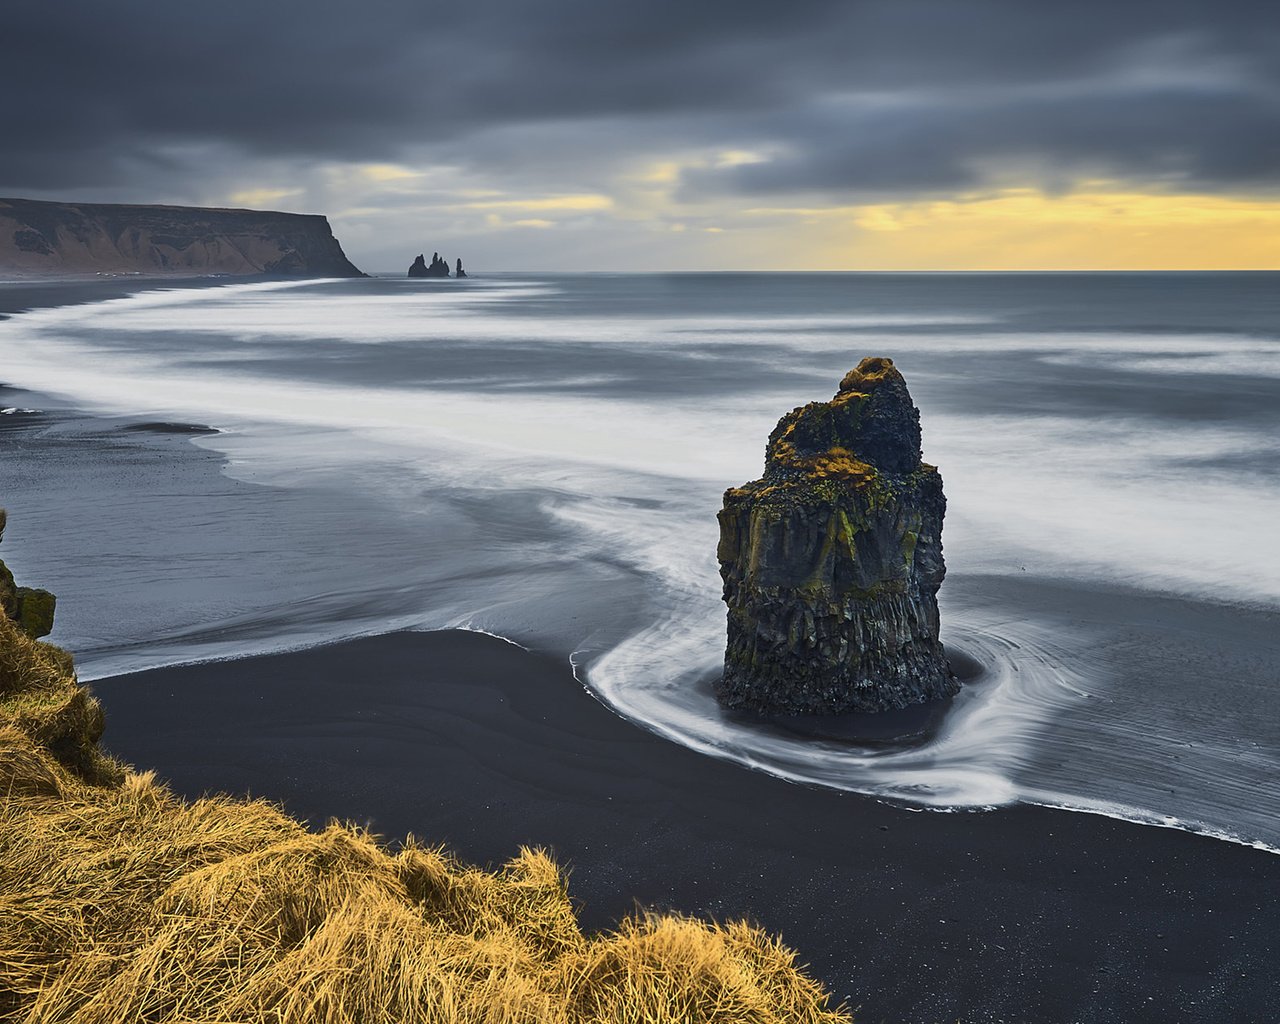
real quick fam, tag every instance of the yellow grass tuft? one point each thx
(125, 903)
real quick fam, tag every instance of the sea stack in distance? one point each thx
(832, 560)
(437, 268)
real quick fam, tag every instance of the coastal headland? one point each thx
(45, 239)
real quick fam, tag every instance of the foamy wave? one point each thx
(659, 677)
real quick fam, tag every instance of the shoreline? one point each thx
(896, 948)
(22, 295)
(1026, 913)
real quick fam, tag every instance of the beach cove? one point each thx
(861, 887)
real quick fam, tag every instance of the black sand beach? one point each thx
(1021, 914)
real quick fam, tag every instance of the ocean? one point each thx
(212, 472)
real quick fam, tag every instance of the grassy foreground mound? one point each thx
(121, 902)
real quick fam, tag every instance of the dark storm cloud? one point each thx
(1184, 137)
(843, 97)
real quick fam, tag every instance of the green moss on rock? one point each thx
(35, 611)
(39, 693)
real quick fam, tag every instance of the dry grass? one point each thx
(120, 902)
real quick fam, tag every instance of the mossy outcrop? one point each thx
(30, 607)
(833, 559)
(39, 694)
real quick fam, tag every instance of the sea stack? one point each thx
(437, 268)
(832, 560)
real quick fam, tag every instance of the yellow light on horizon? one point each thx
(1103, 230)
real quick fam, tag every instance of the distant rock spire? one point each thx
(438, 267)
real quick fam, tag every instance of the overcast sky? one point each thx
(618, 134)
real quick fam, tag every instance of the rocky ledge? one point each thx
(832, 560)
(30, 607)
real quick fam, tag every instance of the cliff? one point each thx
(832, 560)
(41, 239)
(121, 902)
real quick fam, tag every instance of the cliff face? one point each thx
(39, 239)
(832, 560)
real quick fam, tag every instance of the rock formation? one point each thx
(832, 560)
(50, 239)
(39, 694)
(459, 272)
(31, 608)
(437, 268)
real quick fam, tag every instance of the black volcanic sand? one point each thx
(1022, 914)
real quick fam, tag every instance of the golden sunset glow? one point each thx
(1027, 230)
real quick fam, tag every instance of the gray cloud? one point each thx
(1206, 137)
(854, 99)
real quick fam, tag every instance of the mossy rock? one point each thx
(35, 611)
(8, 593)
(832, 560)
(39, 696)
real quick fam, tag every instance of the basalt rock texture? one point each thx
(832, 560)
(49, 239)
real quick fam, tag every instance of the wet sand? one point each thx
(1021, 914)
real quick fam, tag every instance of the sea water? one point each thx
(542, 457)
